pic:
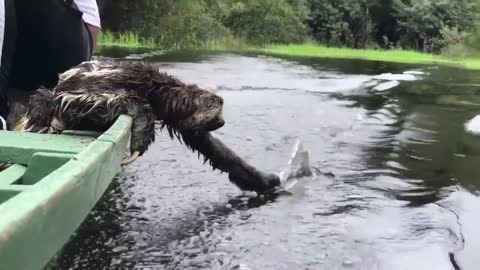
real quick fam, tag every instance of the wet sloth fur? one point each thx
(92, 95)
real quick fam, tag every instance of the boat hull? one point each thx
(51, 189)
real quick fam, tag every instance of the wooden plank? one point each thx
(12, 174)
(18, 147)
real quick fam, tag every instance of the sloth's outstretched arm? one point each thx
(242, 174)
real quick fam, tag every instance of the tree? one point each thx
(338, 22)
(427, 25)
(266, 21)
(424, 23)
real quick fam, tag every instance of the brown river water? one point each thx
(397, 186)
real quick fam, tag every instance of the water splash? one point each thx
(473, 126)
(386, 85)
(298, 167)
(396, 77)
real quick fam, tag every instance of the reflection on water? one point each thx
(397, 187)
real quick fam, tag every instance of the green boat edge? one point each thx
(53, 185)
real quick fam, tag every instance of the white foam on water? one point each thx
(264, 73)
(142, 56)
(371, 83)
(473, 126)
(414, 72)
(387, 81)
(360, 117)
(396, 77)
(386, 85)
(243, 73)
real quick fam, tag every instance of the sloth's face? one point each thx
(207, 114)
(189, 108)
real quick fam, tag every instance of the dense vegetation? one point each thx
(423, 25)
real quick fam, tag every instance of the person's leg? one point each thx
(52, 39)
(8, 31)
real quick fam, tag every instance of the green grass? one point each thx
(134, 41)
(398, 56)
(224, 44)
(472, 63)
(125, 40)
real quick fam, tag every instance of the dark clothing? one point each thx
(51, 37)
(8, 51)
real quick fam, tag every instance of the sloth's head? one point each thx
(188, 107)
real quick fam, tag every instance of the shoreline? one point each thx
(312, 50)
(396, 56)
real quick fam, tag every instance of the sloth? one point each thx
(92, 95)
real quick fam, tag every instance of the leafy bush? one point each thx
(425, 25)
(433, 26)
(265, 22)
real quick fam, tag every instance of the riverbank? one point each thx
(398, 56)
(133, 41)
(128, 40)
